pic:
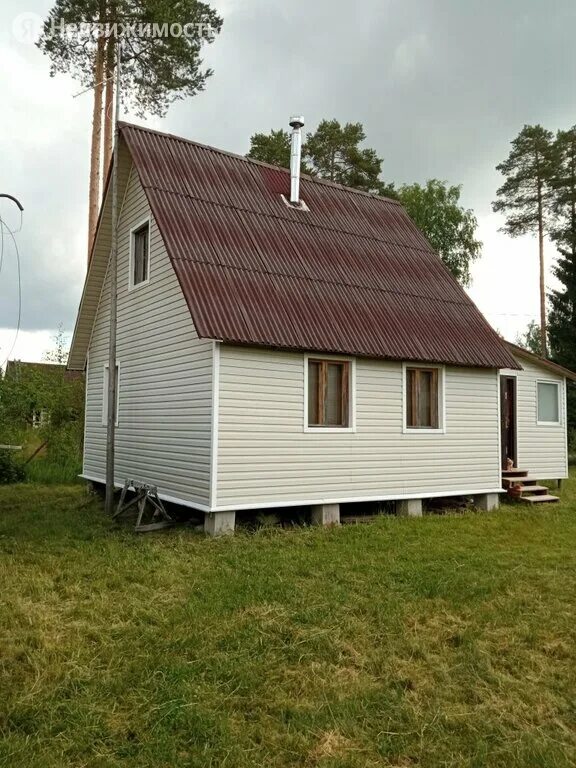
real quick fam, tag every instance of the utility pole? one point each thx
(113, 268)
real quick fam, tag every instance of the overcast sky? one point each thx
(441, 86)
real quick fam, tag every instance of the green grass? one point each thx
(445, 641)
(46, 472)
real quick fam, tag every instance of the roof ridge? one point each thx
(250, 160)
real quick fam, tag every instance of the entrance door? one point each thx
(508, 419)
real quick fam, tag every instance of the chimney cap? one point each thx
(297, 121)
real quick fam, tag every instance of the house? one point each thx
(274, 352)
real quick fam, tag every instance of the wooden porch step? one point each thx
(537, 490)
(519, 480)
(543, 499)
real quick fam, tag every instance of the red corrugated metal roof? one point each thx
(351, 275)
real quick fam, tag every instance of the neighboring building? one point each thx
(271, 355)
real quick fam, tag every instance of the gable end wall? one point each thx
(164, 422)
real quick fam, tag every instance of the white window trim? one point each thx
(351, 400)
(558, 385)
(441, 430)
(131, 285)
(105, 396)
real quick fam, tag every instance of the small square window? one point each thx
(548, 403)
(140, 254)
(328, 393)
(422, 398)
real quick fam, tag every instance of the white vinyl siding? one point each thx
(266, 456)
(542, 448)
(164, 426)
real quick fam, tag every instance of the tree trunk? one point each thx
(108, 105)
(543, 322)
(95, 151)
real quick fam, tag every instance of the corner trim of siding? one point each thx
(499, 422)
(354, 499)
(86, 369)
(565, 424)
(163, 496)
(215, 424)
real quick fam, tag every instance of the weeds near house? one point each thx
(446, 641)
(49, 472)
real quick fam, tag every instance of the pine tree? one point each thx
(96, 144)
(525, 197)
(273, 148)
(562, 320)
(334, 153)
(156, 70)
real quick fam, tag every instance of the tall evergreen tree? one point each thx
(156, 70)
(273, 148)
(562, 320)
(334, 153)
(525, 197)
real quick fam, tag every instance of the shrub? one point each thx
(11, 470)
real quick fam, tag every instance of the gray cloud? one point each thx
(441, 87)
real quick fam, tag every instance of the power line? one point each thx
(1, 245)
(511, 314)
(3, 226)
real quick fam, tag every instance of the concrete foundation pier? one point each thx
(219, 523)
(326, 514)
(409, 507)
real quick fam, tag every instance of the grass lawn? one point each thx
(445, 641)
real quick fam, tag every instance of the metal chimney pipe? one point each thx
(297, 123)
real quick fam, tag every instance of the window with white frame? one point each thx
(548, 402)
(140, 255)
(423, 398)
(105, 393)
(328, 394)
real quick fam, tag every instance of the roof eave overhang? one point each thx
(537, 360)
